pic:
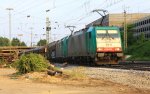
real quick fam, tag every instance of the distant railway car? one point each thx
(95, 45)
(38, 50)
(51, 51)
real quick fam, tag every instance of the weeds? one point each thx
(76, 74)
(3, 63)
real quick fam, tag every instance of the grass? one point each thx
(3, 64)
(15, 75)
(74, 77)
(75, 74)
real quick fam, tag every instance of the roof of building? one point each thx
(117, 19)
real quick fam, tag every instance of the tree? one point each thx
(4, 41)
(23, 44)
(42, 42)
(131, 39)
(141, 38)
(17, 42)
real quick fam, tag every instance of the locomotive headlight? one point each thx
(99, 49)
(117, 49)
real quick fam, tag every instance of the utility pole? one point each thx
(70, 28)
(20, 35)
(48, 29)
(125, 31)
(9, 9)
(31, 28)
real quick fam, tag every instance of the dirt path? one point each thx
(15, 86)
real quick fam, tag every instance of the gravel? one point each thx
(135, 78)
(138, 79)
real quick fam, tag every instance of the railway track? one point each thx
(128, 65)
(131, 66)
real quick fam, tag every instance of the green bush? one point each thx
(140, 51)
(31, 62)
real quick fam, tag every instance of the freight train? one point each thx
(91, 46)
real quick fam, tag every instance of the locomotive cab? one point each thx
(108, 45)
(104, 44)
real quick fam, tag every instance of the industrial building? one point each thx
(142, 26)
(118, 19)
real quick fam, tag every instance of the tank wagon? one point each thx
(95, 45)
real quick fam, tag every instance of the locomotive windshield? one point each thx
(107, 34)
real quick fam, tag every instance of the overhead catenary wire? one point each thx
(30, 8)
(44, 3)
(23, 14)
(104, 7)
(83, 15)
(76, 9)
(80, 18)
(26, 4)
(17, 2)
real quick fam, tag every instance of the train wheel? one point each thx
(92, 63)
(87, 61)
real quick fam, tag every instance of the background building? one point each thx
(142, 26)
(118, 19)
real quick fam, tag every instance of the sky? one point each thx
(62, 13)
